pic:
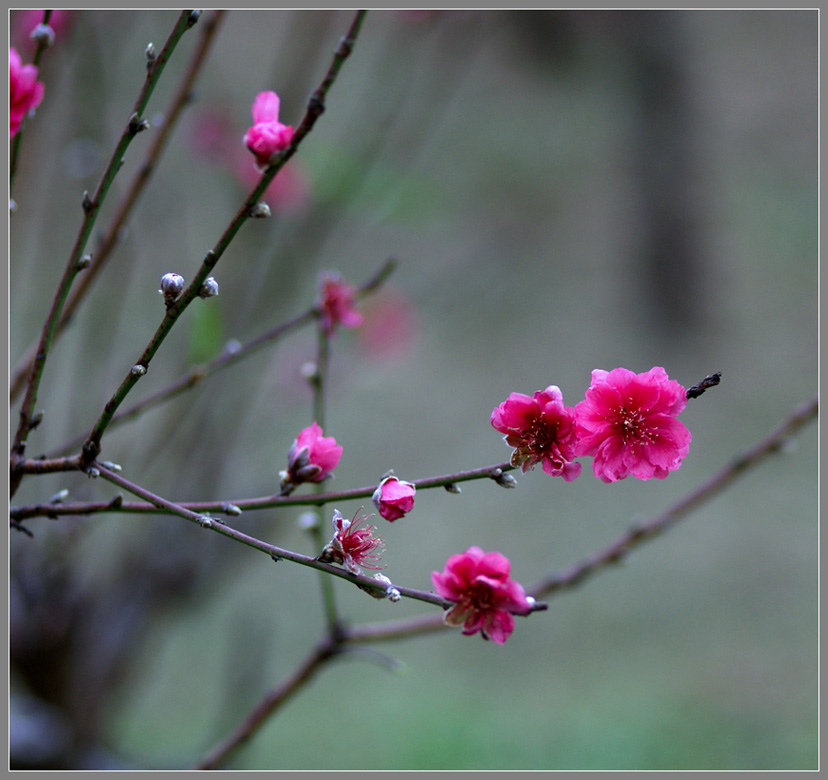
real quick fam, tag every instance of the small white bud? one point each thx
(452, 488)
(260, 211)
(232, 347)
(43, 35)
(111, 466)
(84, 262)
(393, 595)
(59, 497)
(309, 371)
(530, 600)
(193, 17)
(12, 205)
(138, 370)
(506, 481)
(231, 509)
(308, 521)
(172, 285)
(93, 473)
(209, 289)
(205, 522)
(150, 54)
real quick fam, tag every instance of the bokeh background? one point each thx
(563, 191)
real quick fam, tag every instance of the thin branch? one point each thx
(644, 532)
(104, 248)
(42, 45)
(75, 263)
(229, 357)
(233, 508)
(327, 649)
(92, 445)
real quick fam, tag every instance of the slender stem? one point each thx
(42, 45)
(92, 445)
(277, 553)
(644, 532)
(247, 504)
(327, 649)
(74, 266)
(104, 248)
(226, 359)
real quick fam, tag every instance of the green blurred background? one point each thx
(564, 191)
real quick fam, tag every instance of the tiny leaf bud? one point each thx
(59, 497)
(452, 488)
(209, 289)
(138, 370)
(205, 522)
(193, 17)
(111, 466)
(43, 35)
(260, 211)
(150, 54)
(231, 509)
(84, 262)
(506, 481)
(93, 473)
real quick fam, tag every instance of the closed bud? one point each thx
(150, 55)
(209, 289)
(43, 35)
(260, 211)
(138, 370)
(172, 285)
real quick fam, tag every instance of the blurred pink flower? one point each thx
(352, 546)
(268, 136)
(337, 303)
(628, 423)
(541, 429)
(485, 596)
(25, 91)
(393, 498)
(390, 326)
(312, 457)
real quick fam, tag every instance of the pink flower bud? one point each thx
(393, 498)
(268, 136)
(312, 457)
(25, 91)
(485, 597)
(337, 302)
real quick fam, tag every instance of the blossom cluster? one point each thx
(626, 423)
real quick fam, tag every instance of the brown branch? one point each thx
(644, 532)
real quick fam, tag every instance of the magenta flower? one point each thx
(541, 429)
(268, 136)
(485, 596)
(628, 423)
(25, 91)
(312, 456)
(393, 498)
(337, 303)
(352, 546)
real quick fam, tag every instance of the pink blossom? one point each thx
(268, 136)
(628, 423)
(337, 303)
(25, 91)
(312, 457)
(541, 429)
(484, 595)
(352, 546)
(393, 498)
